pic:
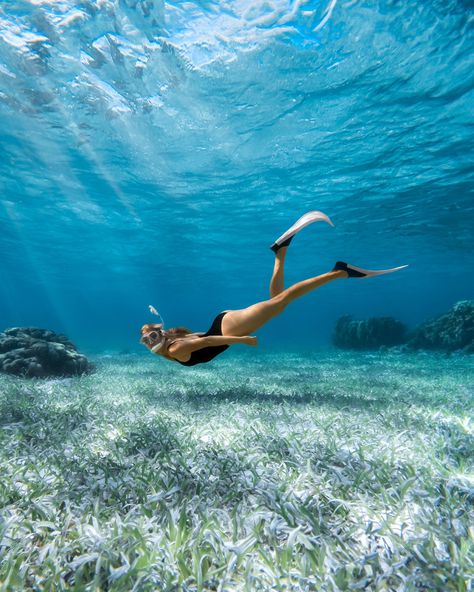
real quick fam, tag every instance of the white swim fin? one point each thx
(305, 220)
(359, 272)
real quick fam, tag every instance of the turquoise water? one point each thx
(151, 152)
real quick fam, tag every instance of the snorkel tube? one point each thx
(156, 348)
(153, 310)
(159, 331)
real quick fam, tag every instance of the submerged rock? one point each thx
(39, 353)
(369, 334)
(452, 331)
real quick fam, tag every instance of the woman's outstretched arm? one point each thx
(212, 340)
(187, 346)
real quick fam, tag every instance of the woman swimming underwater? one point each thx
(236, 326)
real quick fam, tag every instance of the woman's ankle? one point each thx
(339, 274)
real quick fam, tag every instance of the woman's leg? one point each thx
(248, 320)
(277, 281)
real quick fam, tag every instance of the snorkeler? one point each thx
(235, 326)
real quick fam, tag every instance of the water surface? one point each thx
(151, 152)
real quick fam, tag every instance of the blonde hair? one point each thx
(177, 332)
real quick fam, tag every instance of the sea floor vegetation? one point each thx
(322, 470)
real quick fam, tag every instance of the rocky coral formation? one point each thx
(369, 334)
(31, 352)
(449, 332)
(452, 331)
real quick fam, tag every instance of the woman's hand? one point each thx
(250, 340)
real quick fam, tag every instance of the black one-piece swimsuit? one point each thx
(206, 354)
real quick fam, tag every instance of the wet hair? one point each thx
(177, 332)
(173, 332)
(150, 327)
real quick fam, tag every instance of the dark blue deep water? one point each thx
(151, 151)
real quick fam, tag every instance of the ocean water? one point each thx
(152, 151)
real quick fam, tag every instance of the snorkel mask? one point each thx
(156, 335)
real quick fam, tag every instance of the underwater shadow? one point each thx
(250, 396)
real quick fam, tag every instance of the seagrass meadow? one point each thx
(311, 471)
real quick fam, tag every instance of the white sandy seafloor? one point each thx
(303, 471)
